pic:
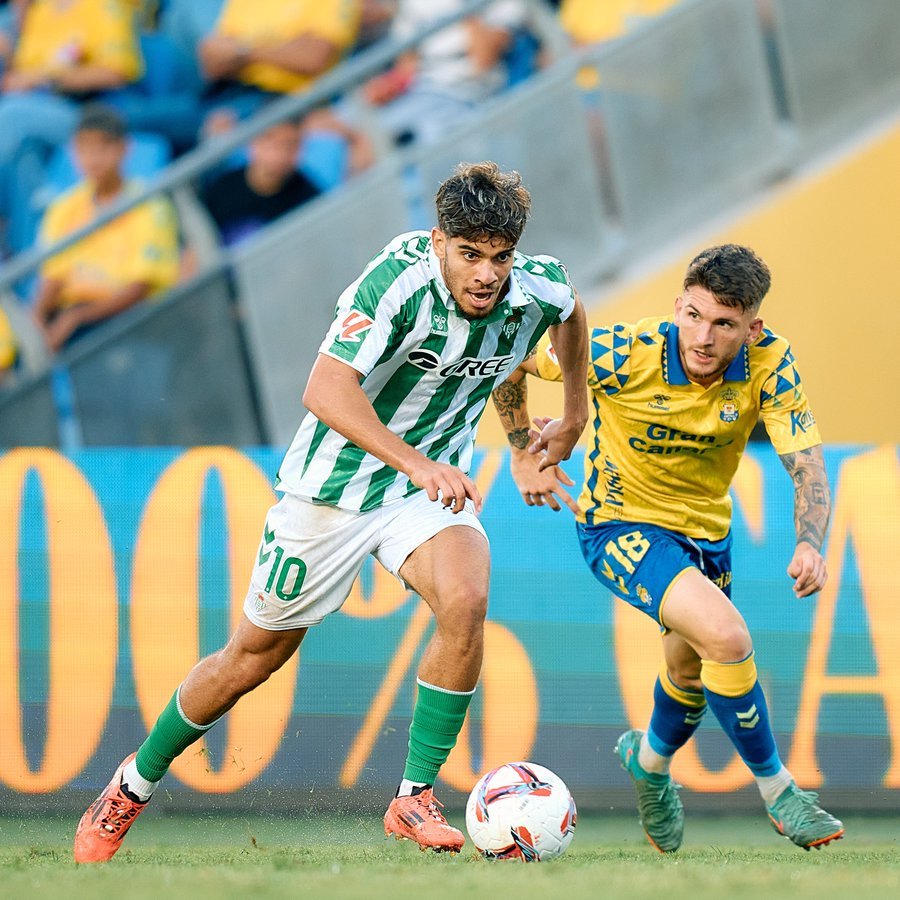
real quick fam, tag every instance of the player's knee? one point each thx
(463, 612)
(730, 642)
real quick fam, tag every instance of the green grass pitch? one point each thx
(174, 857)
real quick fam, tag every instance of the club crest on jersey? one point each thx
(728, 407)
(644, 595)
(354, 325)
(511, 326)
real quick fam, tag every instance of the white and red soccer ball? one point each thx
(521, 811)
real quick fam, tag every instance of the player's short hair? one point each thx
(481, 202)
(735, 275)
(102, 118)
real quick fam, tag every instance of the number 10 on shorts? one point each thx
(621, 556)
(285, 571)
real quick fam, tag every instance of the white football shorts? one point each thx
(310, 554)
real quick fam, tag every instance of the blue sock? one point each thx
(673, 720)
(744, 718)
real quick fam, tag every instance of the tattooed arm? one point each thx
(511, 402)
(812, 509)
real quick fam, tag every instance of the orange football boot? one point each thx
(419, 818)
(103, 827)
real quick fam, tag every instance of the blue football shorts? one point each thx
(638, 562)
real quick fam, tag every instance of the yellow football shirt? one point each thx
(665, 450)
(590, 22)
(140, 246)
(255, 22)
(7, 342)
(56, 35)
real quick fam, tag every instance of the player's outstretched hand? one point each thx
(446, 483)
(554, 439)
(807, 568)
(540, 487)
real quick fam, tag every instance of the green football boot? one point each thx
(797, 815)
(659, 806)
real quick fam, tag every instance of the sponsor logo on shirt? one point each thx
(467, 367)
(354, 325)
(800, 421)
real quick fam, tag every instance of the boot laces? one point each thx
(120, 815)
(432, 806)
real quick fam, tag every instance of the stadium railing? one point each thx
(690, 117)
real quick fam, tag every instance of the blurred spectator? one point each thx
(116, 266)
(589, 22)
(67, 51)
(260, 49)
(10, 22)
(430, 90)
(375, 21)
(244, 200)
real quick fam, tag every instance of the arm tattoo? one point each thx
(518, 438)
(511, 403)
(812, 498)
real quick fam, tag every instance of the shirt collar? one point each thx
(673, 371)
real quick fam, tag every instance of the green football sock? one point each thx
(172, 734)
(437, 719)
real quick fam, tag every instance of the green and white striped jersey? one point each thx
(427, 370)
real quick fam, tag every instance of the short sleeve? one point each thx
(362, 328)
(546, 361)
(610, 363)
(785, 410)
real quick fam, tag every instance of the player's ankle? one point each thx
(411, 788)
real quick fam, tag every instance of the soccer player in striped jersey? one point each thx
(380, 466)
(675, 400)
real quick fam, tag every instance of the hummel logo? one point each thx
(268, 537)
(750, 718)
(659, 402)
(438, 324)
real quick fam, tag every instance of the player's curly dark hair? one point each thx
(734, 274)
(479, 202)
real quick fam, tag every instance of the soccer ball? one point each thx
(520, 811)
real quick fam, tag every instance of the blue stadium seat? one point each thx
(167, 98)
(324, 158)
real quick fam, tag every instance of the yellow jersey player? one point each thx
(674, 402)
